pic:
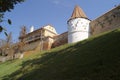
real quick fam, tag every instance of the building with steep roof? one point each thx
(78, 26)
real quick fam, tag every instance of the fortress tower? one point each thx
(78, 26)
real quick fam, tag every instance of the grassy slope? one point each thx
(97, 58)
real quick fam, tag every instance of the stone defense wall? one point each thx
(39, 45)
(106, 22)
(47, 43)
(31, 46)
(60, 40)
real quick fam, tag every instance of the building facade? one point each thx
(41, 39)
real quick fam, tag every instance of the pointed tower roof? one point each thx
(78, 13)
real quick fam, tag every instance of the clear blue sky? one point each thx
(39, 13)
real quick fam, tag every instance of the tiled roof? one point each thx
(78, 13)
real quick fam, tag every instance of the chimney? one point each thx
(31, 29)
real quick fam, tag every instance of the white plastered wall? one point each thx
(78, 29)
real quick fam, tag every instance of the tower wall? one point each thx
(78, 29)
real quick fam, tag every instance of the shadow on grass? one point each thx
(91, 59)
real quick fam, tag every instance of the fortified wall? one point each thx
(60, 40)
(46, 37)
(106, 22)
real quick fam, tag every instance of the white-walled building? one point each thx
(78, 26)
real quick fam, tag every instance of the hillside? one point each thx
(97, 58)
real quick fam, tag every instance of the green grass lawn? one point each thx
(97, 58)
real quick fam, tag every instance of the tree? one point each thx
(7, 5)
(7, 46)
